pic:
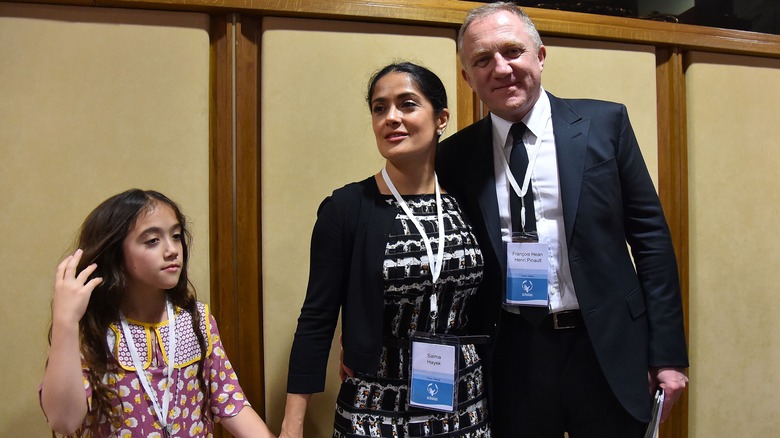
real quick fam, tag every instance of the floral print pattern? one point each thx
(186, 410)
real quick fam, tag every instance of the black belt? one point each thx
(564, 320)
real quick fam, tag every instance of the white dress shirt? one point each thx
(547, 199)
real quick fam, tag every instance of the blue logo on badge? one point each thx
(433, 389)
(527, 285)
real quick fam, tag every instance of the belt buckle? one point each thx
(559, 326)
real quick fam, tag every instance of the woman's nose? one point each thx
(393, 115)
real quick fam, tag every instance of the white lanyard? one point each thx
(162, 414)
(435, 264)
(528, 171)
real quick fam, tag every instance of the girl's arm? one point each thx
(63, 397)
(294, 414)
(246, 424)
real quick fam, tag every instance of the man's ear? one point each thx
(541, 55)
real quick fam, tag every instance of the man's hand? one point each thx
(672, 381)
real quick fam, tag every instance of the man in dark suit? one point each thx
(610, 329)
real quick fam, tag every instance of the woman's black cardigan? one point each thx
(347, 252)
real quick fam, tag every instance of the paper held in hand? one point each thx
(655, 421)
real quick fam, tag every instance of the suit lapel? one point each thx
(485, 187)
(571, 136)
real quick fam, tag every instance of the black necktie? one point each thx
(518, 163)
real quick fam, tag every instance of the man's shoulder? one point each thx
(467, 135)
(584, 105)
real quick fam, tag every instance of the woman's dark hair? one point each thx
(429, 84)
(101, 240)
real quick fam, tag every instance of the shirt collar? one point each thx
(535, 120)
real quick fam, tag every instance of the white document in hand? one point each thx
(655, 421)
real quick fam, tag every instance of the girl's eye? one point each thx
(176, 236)
(409, 104)
(378, 109)
(152, 242)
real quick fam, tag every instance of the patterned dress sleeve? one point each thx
(225, 394)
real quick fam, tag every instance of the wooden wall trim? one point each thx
(221, 220)
(673, 190)
(236, 293)
(450, 13)
(467, 101)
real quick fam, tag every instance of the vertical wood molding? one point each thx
(673, 189)
(223, 272)
(235, 198)
(467, 100)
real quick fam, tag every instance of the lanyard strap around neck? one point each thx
(521, 191)
(162, 413)
(436, 263)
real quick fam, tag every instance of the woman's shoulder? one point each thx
(349, 197)
(366, 187)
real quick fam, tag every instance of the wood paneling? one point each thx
(450, 13)
(673, 189)
(235, 198)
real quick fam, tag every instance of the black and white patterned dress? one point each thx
(377, 405)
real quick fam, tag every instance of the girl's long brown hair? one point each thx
(101, 238)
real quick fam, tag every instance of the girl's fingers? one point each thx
(92, 284)
(67, 278)
(61, 268)
(84, 275)
(70, 268)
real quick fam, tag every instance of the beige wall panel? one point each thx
(617, 72)
(316, 137)
(733, 108)
(94, 101)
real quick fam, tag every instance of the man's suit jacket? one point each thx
(632, 311)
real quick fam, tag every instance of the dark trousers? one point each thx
(547, 382)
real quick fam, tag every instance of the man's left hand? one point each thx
(672, 381)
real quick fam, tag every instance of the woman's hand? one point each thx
(344, 371)
(294, 414)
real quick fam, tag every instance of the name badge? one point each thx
(526, 267)
(434, 374)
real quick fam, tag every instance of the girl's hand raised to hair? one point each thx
(72, 290)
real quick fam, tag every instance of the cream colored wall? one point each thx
(316, 137)
(616, 72)
(94, 101)
(733, 129)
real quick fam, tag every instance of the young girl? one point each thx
(115, 367)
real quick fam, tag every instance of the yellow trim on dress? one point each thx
(203, 310)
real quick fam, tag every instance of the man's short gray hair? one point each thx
(489, 9)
